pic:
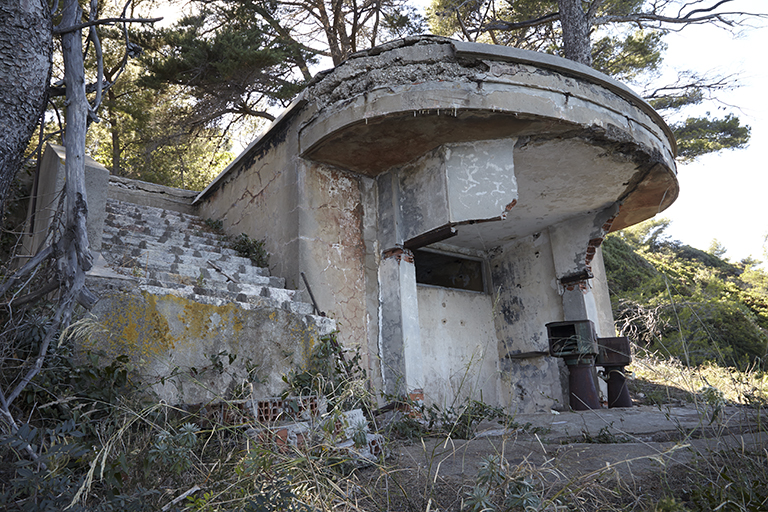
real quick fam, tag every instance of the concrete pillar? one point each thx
(574, 244)
(399, 335)
(45, 200)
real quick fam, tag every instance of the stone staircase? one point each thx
(167, 252)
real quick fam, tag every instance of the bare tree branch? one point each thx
(508, 25)
(103, 21)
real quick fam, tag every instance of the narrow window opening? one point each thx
(448, 271)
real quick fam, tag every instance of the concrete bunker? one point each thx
(428, 162)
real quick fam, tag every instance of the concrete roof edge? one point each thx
(294, 107)
(562, 65)
(462, 48)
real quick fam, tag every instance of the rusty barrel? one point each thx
(583, 395)
(618, 391)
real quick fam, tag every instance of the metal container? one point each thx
(613, 351)
(572, 339)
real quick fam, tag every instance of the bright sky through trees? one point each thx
(725, 195)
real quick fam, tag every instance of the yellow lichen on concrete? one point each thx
(136, 327)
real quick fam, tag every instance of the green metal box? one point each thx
(574, 338)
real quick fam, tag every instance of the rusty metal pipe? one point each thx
(583, 393)
(618, 391)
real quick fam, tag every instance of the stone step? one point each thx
(207, 268)
(165, 233)
(140, 211)
(134, 245)
(251, 285)
(169, 252)
(220, 298)
(234, 291)
(132, 256)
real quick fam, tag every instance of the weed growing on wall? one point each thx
(244, 245)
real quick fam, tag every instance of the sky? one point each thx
(725, 195)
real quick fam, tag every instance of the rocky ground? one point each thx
(645, 457)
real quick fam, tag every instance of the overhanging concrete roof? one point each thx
(582, 139)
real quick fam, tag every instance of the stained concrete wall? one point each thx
(526, 296)
(332, 249)
(181, 348)
(260, 197)
(459, 346)
(50, 187)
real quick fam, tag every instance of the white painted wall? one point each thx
(459, 346)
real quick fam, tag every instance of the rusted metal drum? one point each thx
(618, 391)
(582, 383)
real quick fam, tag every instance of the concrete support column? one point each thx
(45, 200)
(574, 244)
(399, 335)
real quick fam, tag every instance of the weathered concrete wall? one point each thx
(454, 184)
(331, 247)
(526, 296)
(310, 216)
(182, 348)
(151, 194)
(259, 197)
(605, 326)
(459, 346)
(50, 186)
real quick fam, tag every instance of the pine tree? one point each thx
(622, 38)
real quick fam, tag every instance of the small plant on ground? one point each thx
(252, 249)
(501, 487)
(215, 225)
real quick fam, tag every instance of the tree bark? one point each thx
(26, 46)
(575, 25)
(77, 251)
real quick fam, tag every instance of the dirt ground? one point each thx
(639, 458)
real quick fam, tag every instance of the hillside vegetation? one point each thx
(678, 301)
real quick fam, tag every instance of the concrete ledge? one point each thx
(150, 194)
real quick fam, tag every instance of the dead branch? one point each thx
(103, 21)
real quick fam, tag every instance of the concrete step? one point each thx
(219, 298)
(165, 233)
(169, 252)
(210, 277)
(156, 255)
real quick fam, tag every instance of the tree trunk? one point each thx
(76, 249)
(26, 45)
(575, 25)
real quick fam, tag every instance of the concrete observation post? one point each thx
(448, 200)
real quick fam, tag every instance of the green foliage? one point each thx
(141, 138)
(215, 225)
(624, 58)
(685, 302)
(252, 249)
(68, 410)
(692, 96)
(604, 436)
(330, 374)
(225, 56)
(501, 487)
(462, 421)
(697, 136)
(173, 449)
